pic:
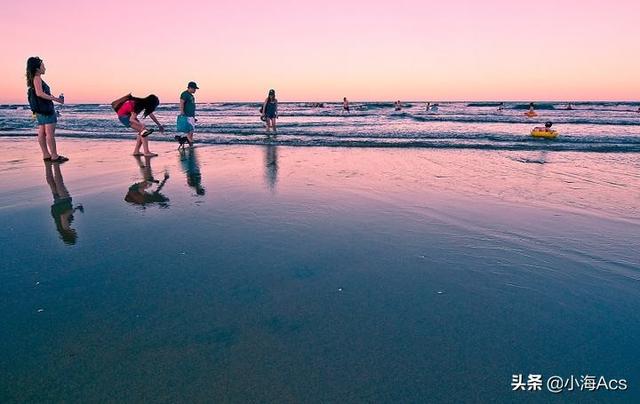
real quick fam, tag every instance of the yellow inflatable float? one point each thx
(544, 133)
(530, 114)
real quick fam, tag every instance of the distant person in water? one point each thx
(569, 107)
(531, 107)
(547, 127)
(398, 105)
(128, 108)
(270, 111)
(186, 122)
(345, 106)
(41, 103)
(501, 106)
(428, 106)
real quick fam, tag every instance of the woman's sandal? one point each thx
(60, 159)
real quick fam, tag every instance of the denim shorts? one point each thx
(46, 119)
(125, 120)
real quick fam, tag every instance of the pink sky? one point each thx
(365, 50)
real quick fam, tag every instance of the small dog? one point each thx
(182, 140)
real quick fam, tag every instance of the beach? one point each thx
(357, 202)
(250, 273)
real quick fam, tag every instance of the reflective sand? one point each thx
(251, 273)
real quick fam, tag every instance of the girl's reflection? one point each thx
(271, 166)
(140, 193)
(62, 209)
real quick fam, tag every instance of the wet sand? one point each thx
(249, 273)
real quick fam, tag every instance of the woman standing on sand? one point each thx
(41, 103)
(128, 108)
(270, 110)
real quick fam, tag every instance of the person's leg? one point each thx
(137, 126)
(136, 150)
(140, 128)
(42, 141)
(145, 147)
(273, 125)
(50, 133)
(192, 123)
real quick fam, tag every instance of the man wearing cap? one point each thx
(187, 117)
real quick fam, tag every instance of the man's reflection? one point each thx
(191, 168)
(62, 209)
(141, 193)
(271, 166)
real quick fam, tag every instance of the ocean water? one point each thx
(589, 126)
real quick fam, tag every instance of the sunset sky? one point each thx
(364, 50)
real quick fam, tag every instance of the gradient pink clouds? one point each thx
(410, 50)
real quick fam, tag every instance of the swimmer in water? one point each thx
(345, 106)
(547, 127)
(397, 105)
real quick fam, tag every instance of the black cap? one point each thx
(192, 84)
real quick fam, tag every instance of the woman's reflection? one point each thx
(271, 166)
(141, 193)
(62, 209)
(191, 168)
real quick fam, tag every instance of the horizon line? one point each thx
(367, 101)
